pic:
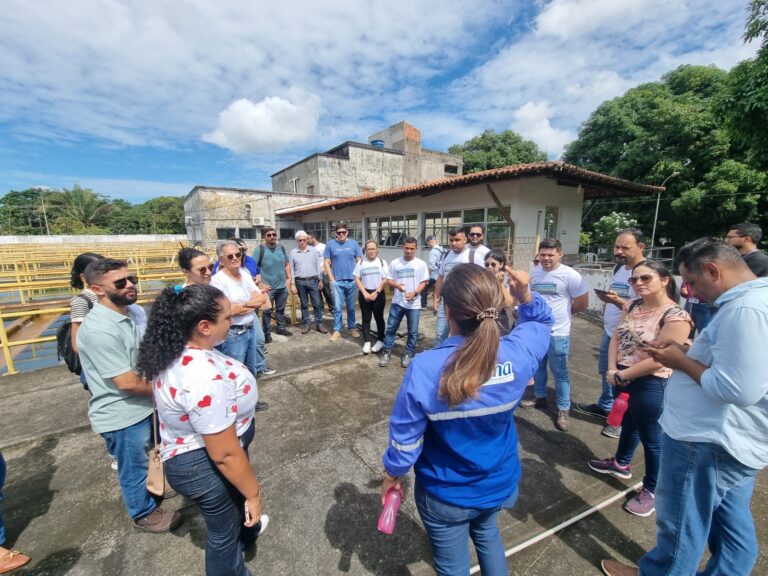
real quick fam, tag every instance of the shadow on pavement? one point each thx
(350, 526)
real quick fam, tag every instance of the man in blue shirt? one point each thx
(715, 423)
(340, 256)
(276, 277)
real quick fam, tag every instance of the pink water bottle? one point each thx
(619, 407)
(389, 513)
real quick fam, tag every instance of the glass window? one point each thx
(318, 229)
(392, 230)
(224, 233)
(438, 224)
(355, 228)
(248, 233)
(287, 233)
(551, 214)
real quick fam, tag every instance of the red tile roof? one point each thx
(596, 185)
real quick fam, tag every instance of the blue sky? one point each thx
(142, 99)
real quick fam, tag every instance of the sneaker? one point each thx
(305, 329)
(406, 360)
(611, 431)
(112, 465)
(591, 410)
(263, 523)
(563, 422)
(161, 520)
(367, 348)
(609, 466)
(267, 371)
(354, 333)
(540, 403)
(377, 347)
(260, 406)
(643, 504)
(613, 568)
(283, 332)
(335, 336)
(267, 338)
(384, 359)
(322, 329)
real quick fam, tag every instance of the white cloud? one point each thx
(268, 125)
(532, 120)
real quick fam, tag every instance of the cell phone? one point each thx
(247, 513)
(600, 292)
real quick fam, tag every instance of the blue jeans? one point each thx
(448, 527)
(641, 424)
(608, 394)
(441, 327)
(344, 291)
(309, 290)
(195, 476)
(246, 346)
(703, 499)
(131, 446)
(557, 358)
(2, 482)
(396, 313)
(701, 314)
(279, 297)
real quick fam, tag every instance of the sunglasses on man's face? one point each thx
(233, 256)
(475, 234)
(644, 278)
(270, 235)
(340, 232)
(123, 282)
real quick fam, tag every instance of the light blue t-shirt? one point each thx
(342, 256)
(272, 264)
(108, 343)
(730, 407)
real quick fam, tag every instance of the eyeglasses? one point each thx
(341, 232)
(475, 234)
(233, 256)
(202, 270)
(492, 264)
(270, 235)
(122, 282)
(644, 278)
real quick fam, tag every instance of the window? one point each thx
(495, 225)
(295, 185)
(438, 224)
(551, 214)
(451, 170)
(318, 229)
(248, 233)
(392, 230)
(224, 233)
(355, 229)
(287, 233)
(311, 189)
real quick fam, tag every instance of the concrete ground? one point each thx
(317, 453)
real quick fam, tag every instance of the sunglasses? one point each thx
(475, 234)
(492, 264)
(202, 270)
(644, 278)
(233, 256)
(122, 282)
(341, 232)
(270, 235)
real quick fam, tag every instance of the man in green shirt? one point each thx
(121, 406)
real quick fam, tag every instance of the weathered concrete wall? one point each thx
(95, 239)
(335, 176)
(375, 169)
(308, 176)
(432, 165)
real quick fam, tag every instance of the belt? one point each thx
(308, 278)
(344, 280)
(241, 326)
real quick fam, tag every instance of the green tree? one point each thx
(79, 211)
(162, 215)
(492, 150)
(21, 214)
(757, 23)
(608, 227)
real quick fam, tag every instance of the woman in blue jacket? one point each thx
(452, 419)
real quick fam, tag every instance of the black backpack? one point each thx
(64, 348)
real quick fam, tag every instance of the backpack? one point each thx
(64, 348)
(446, 252)
(261, 255)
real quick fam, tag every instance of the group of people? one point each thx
(699, 409)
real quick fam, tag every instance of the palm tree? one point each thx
(79, 209)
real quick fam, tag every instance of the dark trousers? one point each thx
(279, 297)
(327, 293)
(424, 292)
(375, 309)
(308, 289)
(641, 424)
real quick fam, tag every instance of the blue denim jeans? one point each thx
(641, 424)
(442, 327)
(608, 391)
(2, 482)
(309, 290)
(344, 292)
(557, 358)
(195, 476)
(396, 313)
(131, 446)
(246, 347)
(279, 297)
(701, 314)
(448, 527)
(702, 499)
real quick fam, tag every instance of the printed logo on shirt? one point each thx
(621, 288)
(548, 288)
(371, 271)
(406, 273)
(502, 375)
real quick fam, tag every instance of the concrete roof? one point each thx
(200, 187)
(596, 185)
(333, 153)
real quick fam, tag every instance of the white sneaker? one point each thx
(264, 523)
(113, 464)
(377, 347)
(367, 348)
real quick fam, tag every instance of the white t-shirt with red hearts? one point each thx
(203, 392)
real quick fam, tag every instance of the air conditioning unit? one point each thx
(258, 221)
(189, 220)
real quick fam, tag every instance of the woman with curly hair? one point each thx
(453, 418)
(196, 266)
(205, 403)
